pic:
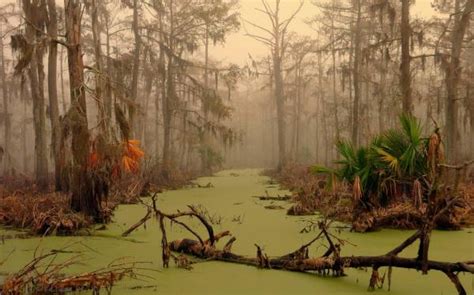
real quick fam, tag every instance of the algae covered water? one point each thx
(232, 207)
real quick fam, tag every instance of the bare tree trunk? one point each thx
(83, 198)
(381, 102)
(356, 75)
(145, 126)
(280, 103)
(36, 77)
(61, 69)
(6, 115)
(168, 99)
(24, 127)
(53, 92)
(160, 85)
(167, 116)
(205, 138)
(136, 65)
(299, 95)
(108, 86)
(158, 96)
(405, 75)
(334, 94)
(103, 118)
(453, 75)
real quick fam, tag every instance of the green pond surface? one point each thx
(233, 208)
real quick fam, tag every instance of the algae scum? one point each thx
(232, 207)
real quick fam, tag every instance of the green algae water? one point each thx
(231, 204)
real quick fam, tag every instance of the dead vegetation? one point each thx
(45, 214)
(44, 275)
(50, 213)
(312, 195)
(24, 206)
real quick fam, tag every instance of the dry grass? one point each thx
(42, 275)
(41, 214)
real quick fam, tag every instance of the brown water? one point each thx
(278, 233)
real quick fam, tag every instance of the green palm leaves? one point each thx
(395, 157)
(404, 149)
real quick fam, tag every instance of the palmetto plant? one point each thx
(388, 166)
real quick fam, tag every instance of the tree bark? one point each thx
(280, 104)
(205, 137)
(36, 77)
(53, 92)
(334, 94)
(405, 75)
(61, 69)
(356, 75)
(6, 115)
(453, 75)
(108, 86)
(136, 66)
(83, 199)
(169, 98)
(100, 84)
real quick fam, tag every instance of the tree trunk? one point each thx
(24, 127)
(405, 75)
(53, 93)
(36, 77)
(356, 75)
(205, 138)
(103, 118)
(108, 86)
(334, 94)
(6, 115)
(280, 104)
(168, 99)
(83, 199)
(136, 65)
(300, 93)
(167, 115)
(63, 91)
(453, 75)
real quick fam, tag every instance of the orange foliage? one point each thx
(128, 160)
(131, 156)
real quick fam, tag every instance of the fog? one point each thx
(230, 109)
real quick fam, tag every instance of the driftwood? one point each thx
(331, 262)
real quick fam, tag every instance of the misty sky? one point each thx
(239, 46)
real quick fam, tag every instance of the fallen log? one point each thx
(331, 262)
(327, 264)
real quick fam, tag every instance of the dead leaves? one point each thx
(124, 157)
(131, 156)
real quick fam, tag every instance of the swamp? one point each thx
(237, 147)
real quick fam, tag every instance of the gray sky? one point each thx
(238, 46)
